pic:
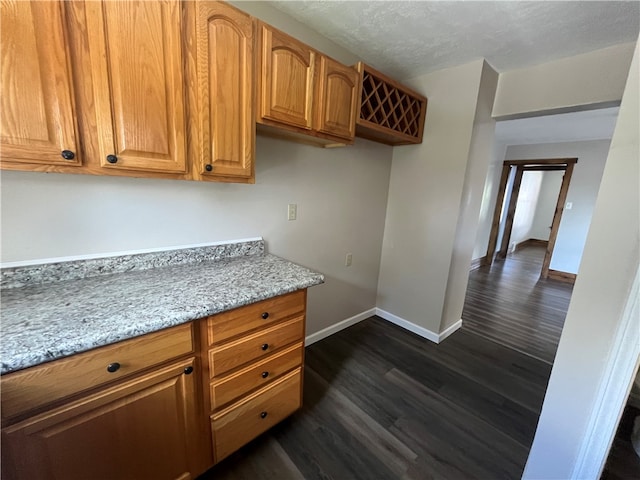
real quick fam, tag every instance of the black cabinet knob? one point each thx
(112, 159)
(113, 367)
(188, 370)
(265, 346)
(265, 315)
(265, 374)
(68, 155)
(263, 415)
(208, 167)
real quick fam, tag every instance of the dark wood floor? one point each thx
(509, 304)
(383, 403)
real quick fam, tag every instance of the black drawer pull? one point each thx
(263, 415)
(113, 367)
(68, 154)
(265, 315)
(265, 346)
(188, 370)
(265, 374)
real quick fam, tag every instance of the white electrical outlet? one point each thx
(348, 260)
(292, 211)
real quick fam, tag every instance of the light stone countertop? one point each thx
(44, 322)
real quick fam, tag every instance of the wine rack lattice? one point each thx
(393, 111)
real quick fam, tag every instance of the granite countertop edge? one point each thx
(42, 323)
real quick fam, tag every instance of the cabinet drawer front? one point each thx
(256, 346)
(243, 422)
(244, 319)
(43, 384)
(233, 386)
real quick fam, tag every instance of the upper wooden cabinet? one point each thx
(37, 111)
(390, 113)
(220, 58)
(337, 98)
(303, 91)
(138, 84)
(287, 69)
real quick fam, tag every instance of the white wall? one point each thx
(546, 206)
(526, 207)
(489, 198)
(609, 265)
(341, 196)
(582, 81)
(583, 192)
(425, 195)
(480, 156)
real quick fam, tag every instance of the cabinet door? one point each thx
(136, 63)
(37, 112)
(225, 112)
(337, 99)
(287, 79)
(139, 429)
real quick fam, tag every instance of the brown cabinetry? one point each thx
(337, 99)
(390, 113)
(222, 121)
(255, 368)
(138, 86)
(37, 105)
(128, 410)
(303, 91)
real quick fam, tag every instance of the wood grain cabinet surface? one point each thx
(136, 57)
(144, 428)
(134, 409)
(254, 377)
(220, 42)
(37, 106)
(303, 91)
(165, 405)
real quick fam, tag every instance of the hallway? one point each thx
(509, 304)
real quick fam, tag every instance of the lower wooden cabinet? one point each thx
(255, 414)
(255, 368)
(167, 405)
(140, 429)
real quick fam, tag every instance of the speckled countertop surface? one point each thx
(48, 321)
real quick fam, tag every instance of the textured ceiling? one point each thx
(565, 127)
(409, 38)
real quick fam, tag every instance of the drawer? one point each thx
(255, 346)
(242, 422)
(244, 319)
(43, 384)
(233, 386)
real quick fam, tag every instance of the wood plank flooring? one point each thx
(383, 403)
(508, 303)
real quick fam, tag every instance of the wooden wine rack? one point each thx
(390, 113)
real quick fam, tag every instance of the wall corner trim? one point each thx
(418, 330)
(389, 317)
(336, 327)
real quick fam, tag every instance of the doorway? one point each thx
(517, 168)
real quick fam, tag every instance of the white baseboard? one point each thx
(450, 330)
(390, 317)
(418, 330)
(336, 327)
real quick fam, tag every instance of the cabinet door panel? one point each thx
(140, 429)
(224, 44)
(136, 58)
(338, 99)
(37, 114)
(287, 79)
